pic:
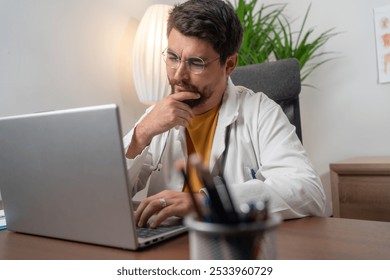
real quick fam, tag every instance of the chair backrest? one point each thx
(280, 80)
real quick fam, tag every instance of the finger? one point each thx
(168, 114)
(153, 208)
(139, 211)
(161, 216)
(179, 115)
(142, 206)
(182, 109)
(183, 118)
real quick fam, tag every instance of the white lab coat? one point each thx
(265, 157)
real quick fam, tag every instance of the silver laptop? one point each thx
(63, 175)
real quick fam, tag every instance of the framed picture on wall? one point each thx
(382, 36)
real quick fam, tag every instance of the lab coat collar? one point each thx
(228, 112)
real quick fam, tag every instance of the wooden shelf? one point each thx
(361, 188)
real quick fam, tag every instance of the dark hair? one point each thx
(214, 21)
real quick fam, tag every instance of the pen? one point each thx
(218, 212)
(253, 174)
(226, 199)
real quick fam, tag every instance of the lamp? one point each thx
(149, 72)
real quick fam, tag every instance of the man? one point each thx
(265, 157)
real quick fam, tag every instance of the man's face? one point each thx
(210, 83)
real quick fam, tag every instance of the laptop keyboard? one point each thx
(146, 232)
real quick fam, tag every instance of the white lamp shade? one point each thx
(149, 72)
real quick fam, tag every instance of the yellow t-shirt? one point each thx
(199, 137)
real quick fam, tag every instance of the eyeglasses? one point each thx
(195, 64)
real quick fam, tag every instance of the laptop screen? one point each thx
(63, 175)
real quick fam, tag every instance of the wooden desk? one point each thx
(361, 188)
(307, 238)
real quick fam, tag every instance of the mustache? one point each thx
(184, 87)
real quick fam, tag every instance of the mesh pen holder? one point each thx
(243, 241)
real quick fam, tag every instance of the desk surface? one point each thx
(307, 238)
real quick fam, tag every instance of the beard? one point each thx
(204, 95)
(193, 102)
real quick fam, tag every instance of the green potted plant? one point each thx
(258, 24)
(268, 35)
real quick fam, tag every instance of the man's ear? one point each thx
(231, 63)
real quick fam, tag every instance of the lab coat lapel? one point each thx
(227, 115)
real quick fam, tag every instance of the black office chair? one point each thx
(280, 80)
